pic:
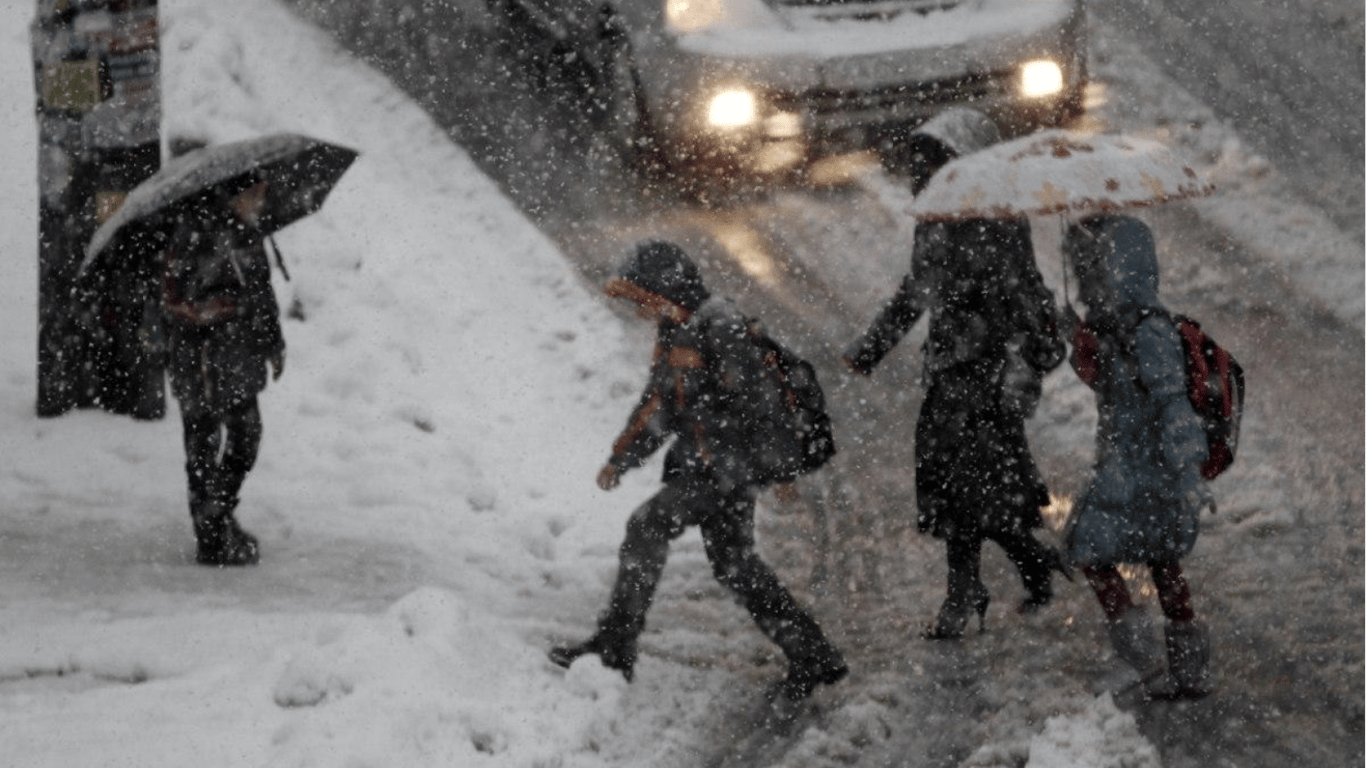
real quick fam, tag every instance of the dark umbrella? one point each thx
(301, 172)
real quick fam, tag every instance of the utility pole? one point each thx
(97, 82)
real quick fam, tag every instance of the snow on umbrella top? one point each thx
(1057, 172)
(301, 171)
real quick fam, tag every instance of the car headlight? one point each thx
(735, 108)
(692, 15)
(1040, 78)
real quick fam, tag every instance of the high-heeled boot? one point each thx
(955, 611)
(220, 540)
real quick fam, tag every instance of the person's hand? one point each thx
(277, 364)
(609, 477)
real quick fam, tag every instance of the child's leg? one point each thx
(1187, 639)
(1173, 591)
(1110, 589)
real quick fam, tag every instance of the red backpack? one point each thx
(1214, 384)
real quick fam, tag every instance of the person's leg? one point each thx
(966, 592)
(641, 559)
(1130, 628)
(202, 435)
(242, 425)
(1035, 563)
(216, 480)
(1187, 638)
(727, 527)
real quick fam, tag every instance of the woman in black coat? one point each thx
(975, 476)
(992, 336)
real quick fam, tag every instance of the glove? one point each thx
(609, 476)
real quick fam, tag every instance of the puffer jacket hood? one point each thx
(1115, 260)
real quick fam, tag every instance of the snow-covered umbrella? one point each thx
(301, 172)
(1057, 172)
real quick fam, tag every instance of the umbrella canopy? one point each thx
(301, 172)
(1057, 171)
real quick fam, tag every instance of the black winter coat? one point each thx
(222, 317)
(700, 384)
(989, 309)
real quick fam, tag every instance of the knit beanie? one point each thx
(664, 269)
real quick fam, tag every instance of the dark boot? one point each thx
(1038, 580)
(803, 676)
(1135, 643)
(1188, 658)
(966, 592)
(614, 651)
(953, 616)
(221, 541)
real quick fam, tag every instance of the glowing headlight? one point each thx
(692, 15)
(732, 109)
(1040, 78)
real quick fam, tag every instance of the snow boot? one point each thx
(1135, 643)
(618, 654)
(221, 541)
(803, 676)
(1188, 658)
(1038, 582)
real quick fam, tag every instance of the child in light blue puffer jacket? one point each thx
(1144, 500)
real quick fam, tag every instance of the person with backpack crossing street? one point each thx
(711, 390)
(1142, 504)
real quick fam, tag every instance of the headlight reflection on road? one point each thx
(747, 248)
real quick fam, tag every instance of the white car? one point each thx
(763, 84)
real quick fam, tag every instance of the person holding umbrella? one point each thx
(1143, 502)
(223, 329)
(992, 336)
(203, 221)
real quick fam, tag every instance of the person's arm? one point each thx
(1162, 373)
(645, 431)
(901, 312)
(895, 319)
(259, 304)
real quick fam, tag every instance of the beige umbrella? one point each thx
(1057, 172)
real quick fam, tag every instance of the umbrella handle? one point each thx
(1066, 289)
(279, 258)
